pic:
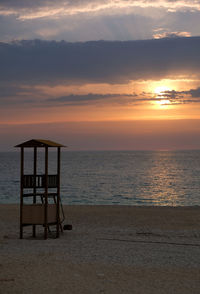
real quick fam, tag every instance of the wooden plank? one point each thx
(34, 214)
(21, 191)
(46, 193)
(58, 192)
(34, 184)
(41, 194)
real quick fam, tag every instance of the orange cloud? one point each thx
(171, 35)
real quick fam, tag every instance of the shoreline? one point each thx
(111, 249)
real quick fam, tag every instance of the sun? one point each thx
(161, 89)
(161, 95)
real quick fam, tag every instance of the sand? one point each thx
(111, 249)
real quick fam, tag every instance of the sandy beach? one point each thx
(111, 249)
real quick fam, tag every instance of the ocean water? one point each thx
(113, 177)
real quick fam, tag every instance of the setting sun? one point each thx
(160, 95)
(161, 89)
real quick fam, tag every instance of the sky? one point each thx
(100, 75)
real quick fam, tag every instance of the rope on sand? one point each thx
(149, 242)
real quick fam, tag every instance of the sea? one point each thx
(152, 178)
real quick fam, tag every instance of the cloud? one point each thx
(92, 98)
(171, 35)
(50, 62)
(49, 8)
(181, 97)
(33, 97)
(13, 95)
(73, 99)
(96, 20)
(195, 93)
(79, 28)
(175, 97)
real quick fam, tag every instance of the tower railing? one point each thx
(39, 181)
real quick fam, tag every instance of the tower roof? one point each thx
(40, 143)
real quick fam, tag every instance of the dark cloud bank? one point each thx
(36, 61)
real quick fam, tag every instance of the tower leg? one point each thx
(45, 232)
(21, 232)
(34, 231)
(58, 229)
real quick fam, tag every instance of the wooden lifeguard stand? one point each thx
(42, 213)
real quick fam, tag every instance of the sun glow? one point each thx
(161, 95)
(161, 89)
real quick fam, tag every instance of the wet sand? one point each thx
(111, 249)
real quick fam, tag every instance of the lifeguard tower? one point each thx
(38, 188)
